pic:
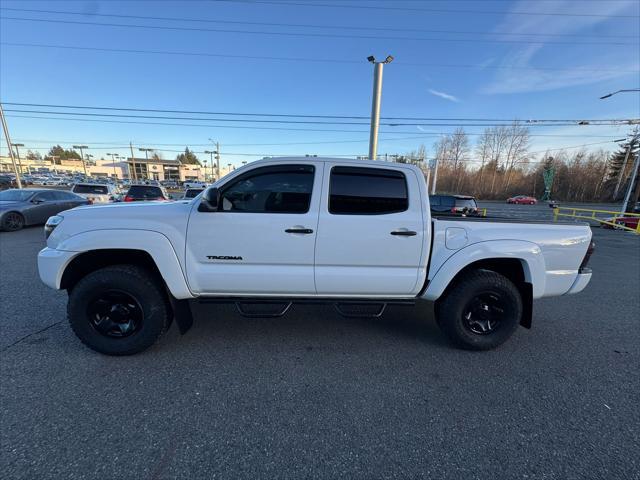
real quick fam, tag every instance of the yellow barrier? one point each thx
(610, 220)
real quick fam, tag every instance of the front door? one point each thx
(371, 233)
(262, 238)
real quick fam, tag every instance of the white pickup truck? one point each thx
(356, 234)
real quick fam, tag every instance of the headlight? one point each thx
(51, 224)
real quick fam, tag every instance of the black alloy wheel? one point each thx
(484, 313)
(115, 314)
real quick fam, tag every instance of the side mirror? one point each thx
(210, 200)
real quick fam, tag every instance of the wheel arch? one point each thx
(520, 261)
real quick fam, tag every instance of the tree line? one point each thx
(500, 165)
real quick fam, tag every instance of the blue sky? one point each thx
(561, 75)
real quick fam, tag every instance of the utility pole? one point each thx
(626, 207)
(17, 145)
(624, 166)
(133, 162)
(81, 147)
(8, 139)
(375, 104)
(435, 176)
(210, 153)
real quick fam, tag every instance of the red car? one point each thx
(522, 200)
(629, 222)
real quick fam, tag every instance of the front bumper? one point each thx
(581, 281)
(51, 265)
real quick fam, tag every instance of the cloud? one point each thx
(526, 78)
(446, 96)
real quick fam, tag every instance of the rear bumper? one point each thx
(51, 265)
(581, 281)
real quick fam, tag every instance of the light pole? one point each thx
(17, 145)
(375, 103)
(620, 91)
(81, 147)
(113, 161)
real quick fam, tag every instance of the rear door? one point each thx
(371, 232)
(262, 238)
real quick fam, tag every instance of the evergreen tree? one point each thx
(188, 157)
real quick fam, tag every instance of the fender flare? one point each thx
(528, 253)
(154, 243)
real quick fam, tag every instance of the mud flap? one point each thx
(181, 314)
(526, 291)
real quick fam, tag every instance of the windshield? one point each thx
(96, 189)
(15, 195)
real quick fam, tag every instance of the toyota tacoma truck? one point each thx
(355, 234)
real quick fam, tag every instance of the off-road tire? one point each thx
(450, 310)
(132, 280)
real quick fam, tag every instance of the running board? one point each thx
(277, 307)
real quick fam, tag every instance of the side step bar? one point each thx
(272, 308)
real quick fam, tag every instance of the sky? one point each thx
(453, 60)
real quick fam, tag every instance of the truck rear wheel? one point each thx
(118, 310)
(480, 311)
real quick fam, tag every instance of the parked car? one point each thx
(625, 221)
(98, 192)
(19, 208)
(354, 234)
(138, 193)
(453, 204)
(169, 184)
(192, 192)
(194, 184)
(522, 200)
(7, 181)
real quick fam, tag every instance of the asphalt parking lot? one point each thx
(314, 395)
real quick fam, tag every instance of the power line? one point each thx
(457, 123)
(312, 60)
(350, 117)
(432, 10)
(209, 126)
(307, 25)
(309, 34)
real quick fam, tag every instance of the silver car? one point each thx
(33, 206)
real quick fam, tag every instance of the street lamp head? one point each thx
(18, 144)
(606, 96)
(389, 59)
(371, 58)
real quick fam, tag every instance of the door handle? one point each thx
(404, 233)
(305, 231)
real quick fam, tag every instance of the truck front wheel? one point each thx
(118, 310)
(480, 311)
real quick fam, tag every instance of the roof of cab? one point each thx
(354, 161)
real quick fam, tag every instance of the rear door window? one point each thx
(367, 191)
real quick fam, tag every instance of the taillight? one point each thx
(160, 198)
(127, 198)
(90, 201)
(587, 256)
(453, 209)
